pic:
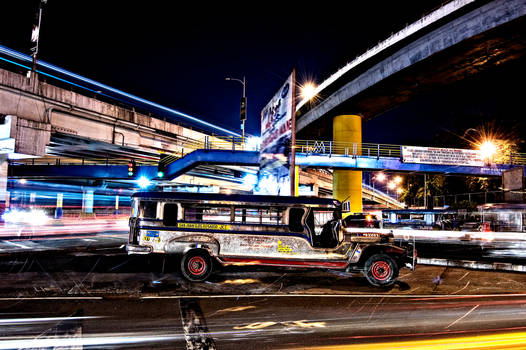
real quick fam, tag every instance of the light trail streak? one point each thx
(84, 341)
(56, 69)
(493, 341)
(12, 321)
(464, 316)
(78, 227)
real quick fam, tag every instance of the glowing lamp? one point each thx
(380, 177)
(143, 182)
(488, 149)
(308, 91)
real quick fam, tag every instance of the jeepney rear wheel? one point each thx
(380, 270)
(196, 265)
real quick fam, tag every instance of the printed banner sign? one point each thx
(442, 156)
(277, 124)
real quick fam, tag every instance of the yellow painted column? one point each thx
(347, 129)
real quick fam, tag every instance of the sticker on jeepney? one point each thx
(283, 248)
(202, 226)
(152, 236)
(152, 233)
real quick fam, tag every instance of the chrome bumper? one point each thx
(138, 249)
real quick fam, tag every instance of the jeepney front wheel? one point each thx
(380, 270)
(196, 265)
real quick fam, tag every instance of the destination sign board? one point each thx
(442, 156)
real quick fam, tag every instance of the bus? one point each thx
(421, 219)
(260, 230)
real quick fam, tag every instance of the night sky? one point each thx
(179, 55)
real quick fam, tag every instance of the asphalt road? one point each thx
(106, 299)
(83, 291)
(266, 322)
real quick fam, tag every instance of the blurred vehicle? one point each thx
(25, 217)
(260, 230)
(362, 220)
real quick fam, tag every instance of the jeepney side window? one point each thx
(295, 216)
(193, 214)
(148, 209)
(220, 214)
(272, 216)
(207, 213)
(248, 215)
(170, 214)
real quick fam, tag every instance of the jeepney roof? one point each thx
(247, 198)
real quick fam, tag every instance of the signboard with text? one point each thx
(277, 123)
(442, 156)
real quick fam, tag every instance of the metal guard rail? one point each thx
(381, 150)
(309, 147)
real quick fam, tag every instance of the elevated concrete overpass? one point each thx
(461, 39)
(49, 120)
(456, 41)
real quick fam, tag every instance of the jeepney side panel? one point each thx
(275, 245)
(234, 239)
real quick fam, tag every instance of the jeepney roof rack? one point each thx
(236, 198)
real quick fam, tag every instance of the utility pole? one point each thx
(243, 110)
(35, 36)
(425, 191)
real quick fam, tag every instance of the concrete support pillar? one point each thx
(347, 184)
(87, 202)
(4, 195)
(116, 211)
(58, 209)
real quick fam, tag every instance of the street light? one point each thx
(308, 91)
(488, 149)
(243, 111)
(380, 177)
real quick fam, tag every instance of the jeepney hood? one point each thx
(369, 235)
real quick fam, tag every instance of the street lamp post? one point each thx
(243, 110)
(35, 36)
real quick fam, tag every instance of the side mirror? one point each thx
(346, 207)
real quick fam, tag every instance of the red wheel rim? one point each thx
(196, 265)
(381, 270)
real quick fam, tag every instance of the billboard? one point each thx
(442, 156)
(276, 160)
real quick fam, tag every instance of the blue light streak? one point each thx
(26, 58)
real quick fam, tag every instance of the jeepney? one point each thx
(262, 230)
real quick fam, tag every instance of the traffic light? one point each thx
(243, 112)
(161, 167)
(132, 168)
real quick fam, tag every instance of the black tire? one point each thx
(196, 265)
(380, 270)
